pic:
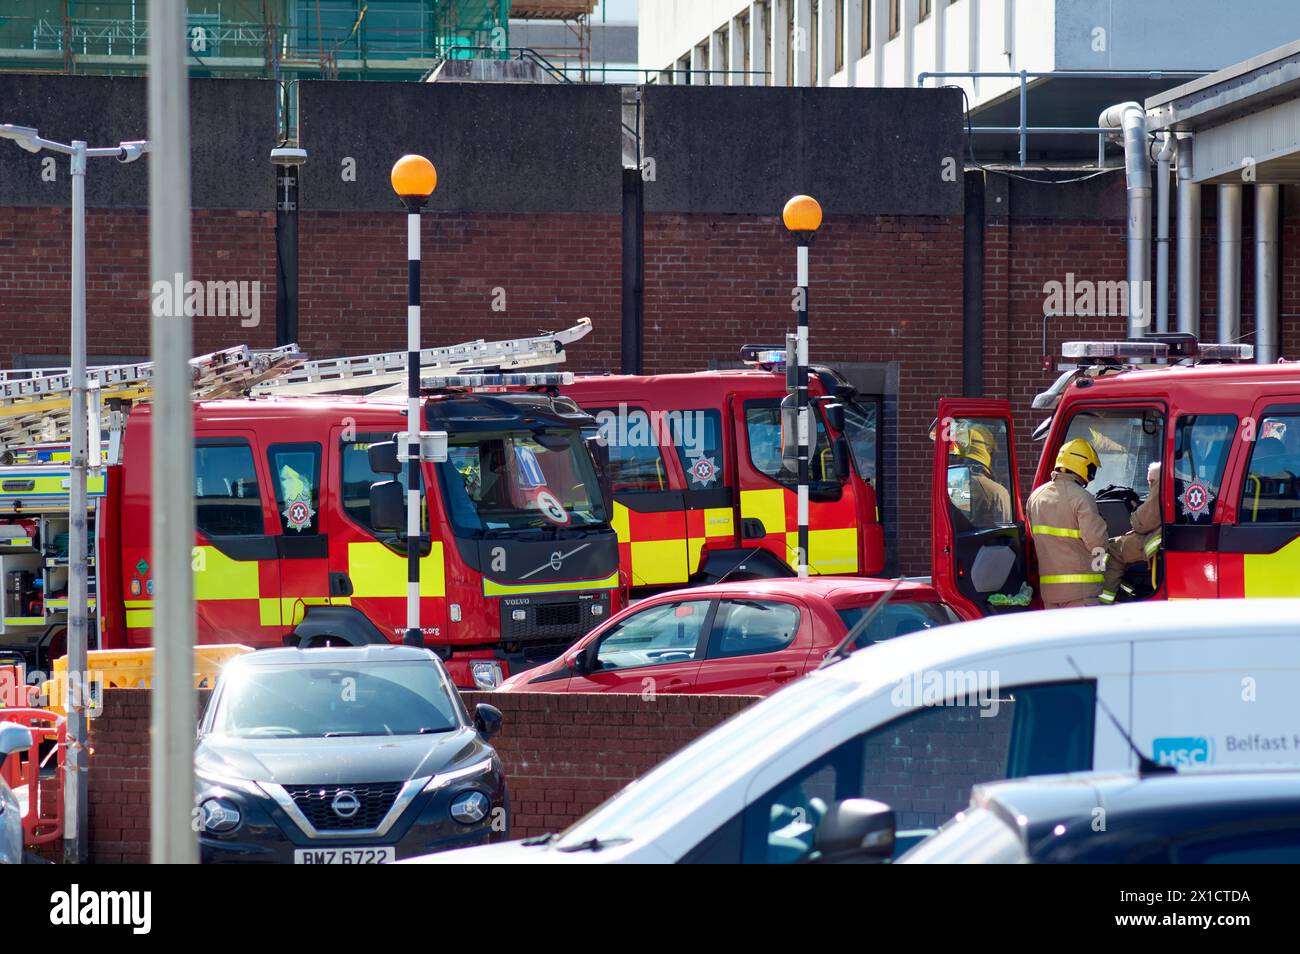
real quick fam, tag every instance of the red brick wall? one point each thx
(564, 754)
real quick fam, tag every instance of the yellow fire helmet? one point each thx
(1077, 457)
(978, 446)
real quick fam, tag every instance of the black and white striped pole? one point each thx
(414, 179)
(802, 216)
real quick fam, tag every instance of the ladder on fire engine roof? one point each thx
(36, 405)
(377, 371)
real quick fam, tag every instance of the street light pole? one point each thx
(802, 216)
(172, 840)
(76, 770)
(414, 180)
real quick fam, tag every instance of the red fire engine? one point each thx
(700, 489)
(1227, 436)
(298, 501)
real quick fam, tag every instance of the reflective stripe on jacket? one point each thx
(1066, 529)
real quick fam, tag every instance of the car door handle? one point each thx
(781, 673)
(675, 685)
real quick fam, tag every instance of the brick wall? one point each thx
(564, 754)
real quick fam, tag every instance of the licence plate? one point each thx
(344, 856)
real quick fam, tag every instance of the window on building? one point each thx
(866, 26)
(743, 27)
(814, 43)
(895, 17)
(721, 77)
(227, 501)
(839, 35)
(789, 42)
(923, 11)
(1271, 490)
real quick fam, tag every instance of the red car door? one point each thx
(755, 646)
(978, 519)
(651, 651)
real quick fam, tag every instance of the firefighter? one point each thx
(990, 502)
(1069, 532)
(1139, 545)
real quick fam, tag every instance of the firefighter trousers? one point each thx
(1121, 553)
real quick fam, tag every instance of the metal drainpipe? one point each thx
(1189, 241)
(1266, 319)
(1167, 150)
(1229, 263)
(1132, 120)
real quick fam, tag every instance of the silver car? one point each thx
(13, 738)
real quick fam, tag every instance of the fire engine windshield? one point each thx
(521, 481)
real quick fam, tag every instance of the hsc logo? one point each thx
(1184, 750)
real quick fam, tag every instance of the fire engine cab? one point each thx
(300, 509)
(699, 484)
(1227, 436)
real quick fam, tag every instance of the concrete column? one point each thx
(718, 58)
(736, 52)
(1229, 263)
(699, 64)
(1267, 200)
(1189, 242)
(759, 30)
(825, 42)
(803, 42)
(781, 51)
(852, 40)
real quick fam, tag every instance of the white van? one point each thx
(916, 721)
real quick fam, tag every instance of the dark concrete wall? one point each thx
(858, 151)
(232, 132)
(497, 147)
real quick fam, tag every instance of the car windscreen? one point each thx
(314, 701)
(977, 836)
(521, 480)
(895, 619)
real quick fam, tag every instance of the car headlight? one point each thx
(446, 778)
(219, 815)
(470, 807)
(486, 673)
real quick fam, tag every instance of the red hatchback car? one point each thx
(747, 638)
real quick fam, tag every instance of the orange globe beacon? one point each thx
(802, 214)
(413, 176)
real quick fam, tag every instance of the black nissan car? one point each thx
(357, 755)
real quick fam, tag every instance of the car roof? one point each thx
(1053, 795)
(882, 665)
(814, 586)
(332, 656)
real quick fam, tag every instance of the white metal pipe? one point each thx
(1189, 241)
(1229, 263)
(1267, 200)
(1167, 150)
(172, 839)
(1131, 119)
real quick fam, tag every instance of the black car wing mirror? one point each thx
(383, 458)
(854, 831)
(487, 719)
(387, 505)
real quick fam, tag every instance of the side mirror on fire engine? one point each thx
(834, 415)
(387, 505)
(840, 458)
(383, 458)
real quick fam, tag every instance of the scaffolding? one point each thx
(276, 39)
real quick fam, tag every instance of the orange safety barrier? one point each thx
(43, 821)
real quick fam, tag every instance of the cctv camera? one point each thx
(288, 156)
(131, 151)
